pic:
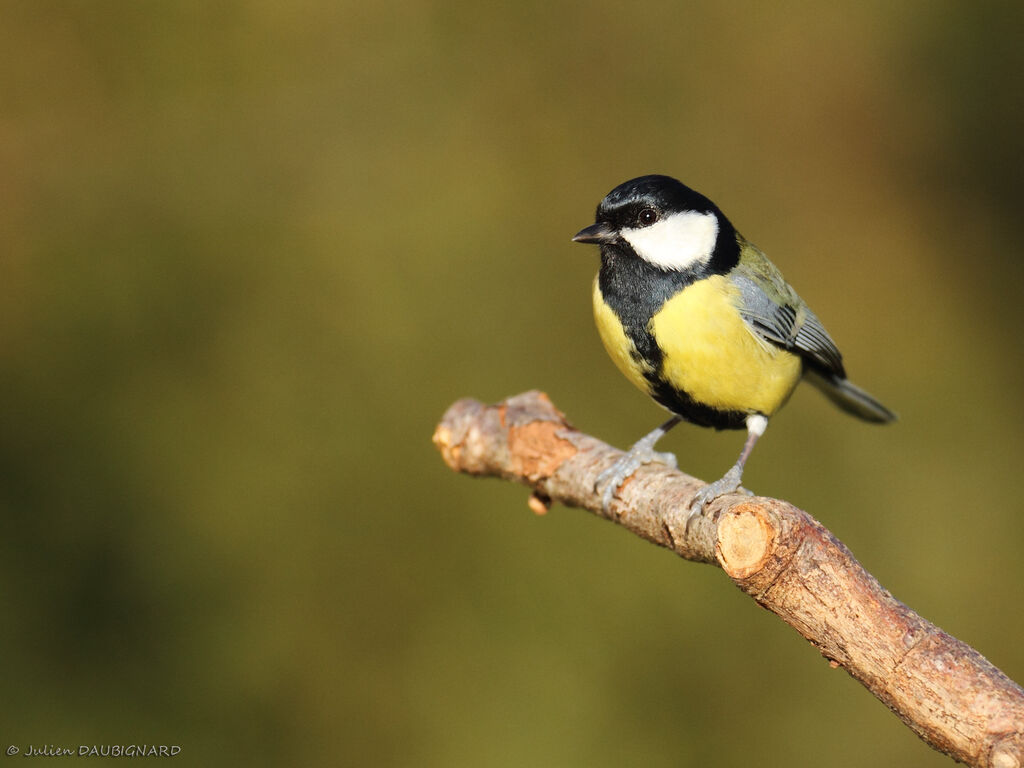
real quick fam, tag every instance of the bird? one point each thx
(698, 318)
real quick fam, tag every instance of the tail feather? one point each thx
(851, 398)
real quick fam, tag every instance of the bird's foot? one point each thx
(728, 483)
(613, 477)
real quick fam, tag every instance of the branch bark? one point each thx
(943, 689)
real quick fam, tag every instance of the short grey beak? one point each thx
(595, 233)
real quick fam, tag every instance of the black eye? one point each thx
(647, 216)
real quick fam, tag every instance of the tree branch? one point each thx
(943, 689)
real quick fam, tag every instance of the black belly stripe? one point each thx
(635, 290)
(681, 404)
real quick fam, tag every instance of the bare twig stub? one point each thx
(943, 689)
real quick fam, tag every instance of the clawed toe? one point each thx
(614, 476)
(666, 458)
(729, 483)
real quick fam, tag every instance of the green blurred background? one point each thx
(253, 250)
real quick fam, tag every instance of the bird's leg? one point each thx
(641, 453)
(730, 481)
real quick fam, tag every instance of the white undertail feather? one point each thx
(756, 424)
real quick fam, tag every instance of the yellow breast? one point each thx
(621, 350)
(711, 354)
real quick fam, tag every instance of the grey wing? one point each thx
(774, 312)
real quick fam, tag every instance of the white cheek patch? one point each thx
(677, 241)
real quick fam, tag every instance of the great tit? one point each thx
(698, 318)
